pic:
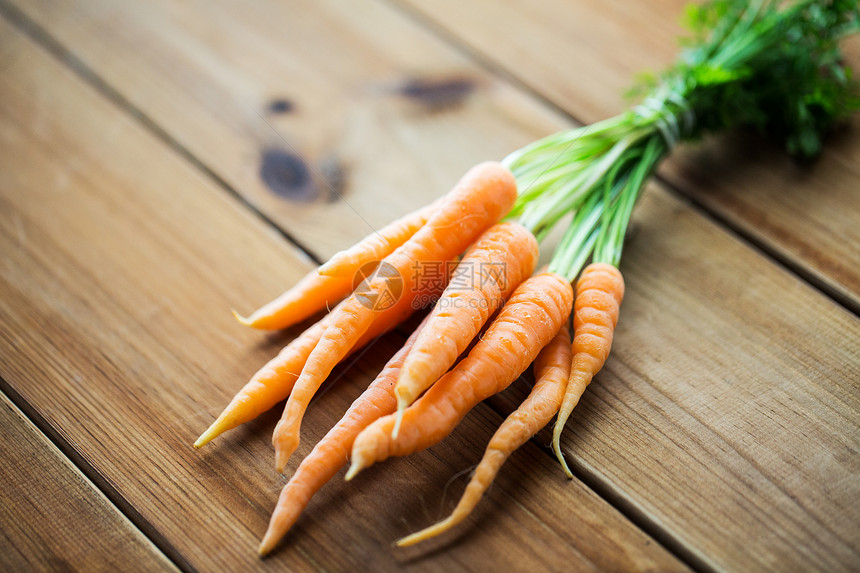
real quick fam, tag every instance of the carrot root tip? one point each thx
(336, 267)
(285, 439)
(210, 434)
(427, 532)
(246, 321)
(281, 458)
(556, 446)
(406, 541)
(355, 467)
(398, 418)
(326, 270)
(266, 546)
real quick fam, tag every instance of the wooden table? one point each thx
(163, 162)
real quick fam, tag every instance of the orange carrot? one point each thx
(599, 291)
(552, 369)
(527, 323)
(491, 269)
(478, 200)
(313, 293)
(271, 384)
(331, 453)
(378, 244)
(274, 381)
(327, 285)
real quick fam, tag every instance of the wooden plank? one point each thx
(718, 527)
(294, 104)
(728, 414)
(583, 56)
(52, 517)
(120, 262)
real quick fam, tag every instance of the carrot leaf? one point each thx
(764, 65)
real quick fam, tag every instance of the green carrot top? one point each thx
(764, 65)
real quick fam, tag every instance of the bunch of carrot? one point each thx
(506, 317)
(424, 392)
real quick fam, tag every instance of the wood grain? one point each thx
(583, 56)
(720, 354)
(727, 414)
(373, 122)
(52, 517)
(120, 264)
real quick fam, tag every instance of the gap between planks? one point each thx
(736, 230)
(583, 473)
(38, 35)
(41, 37)
(636, 515)
(98, 481)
